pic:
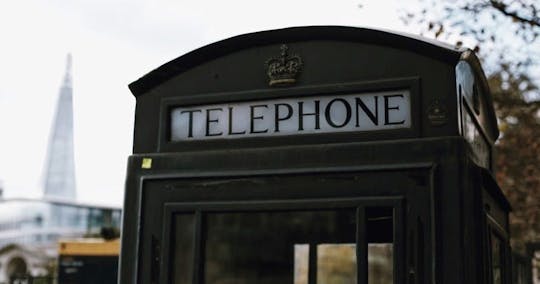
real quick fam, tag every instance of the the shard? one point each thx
(59, 179)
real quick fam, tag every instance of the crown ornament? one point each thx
(283, 70)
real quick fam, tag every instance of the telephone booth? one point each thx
(315, 155)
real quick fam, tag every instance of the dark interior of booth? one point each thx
(283, 246)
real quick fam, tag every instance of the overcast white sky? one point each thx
(114, 42)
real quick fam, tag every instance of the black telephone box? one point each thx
(315, 155)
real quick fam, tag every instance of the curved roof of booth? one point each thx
(426, 47)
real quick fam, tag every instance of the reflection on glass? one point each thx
(536, 266)
(182, 265)
(496, 251)
(296, 247)
(380, 263)
(259, 247)
(380, 235)
(301, 264)
(336, 263)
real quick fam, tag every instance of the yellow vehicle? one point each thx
(84, 261)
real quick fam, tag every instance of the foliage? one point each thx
(499, 30)
(518, 152)
(505, 34)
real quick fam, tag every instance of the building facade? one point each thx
(31, 228)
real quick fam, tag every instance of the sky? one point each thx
(113, 43)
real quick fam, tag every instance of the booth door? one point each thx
(300, 242)
(297, 230)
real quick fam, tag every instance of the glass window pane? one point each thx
(380, 263)
(496, 259)
(259, 247)
(301, 264)
(284, 247)
(536, 266)
(182, 244)
(336, 263)
(380, 235)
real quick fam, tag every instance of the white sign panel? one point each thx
(293, 116)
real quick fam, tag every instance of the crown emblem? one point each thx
(284, 69)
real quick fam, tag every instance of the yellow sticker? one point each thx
(146, 163)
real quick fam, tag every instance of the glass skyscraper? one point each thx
(30, 229)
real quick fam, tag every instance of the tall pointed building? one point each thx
(31, 228)
(60, 164)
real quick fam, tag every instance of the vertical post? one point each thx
(312, 266)
(361, 246)
(399, 242)
(198, 249)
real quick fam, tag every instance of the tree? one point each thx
(518, 153)
(505, 34)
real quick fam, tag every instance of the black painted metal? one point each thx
(434, 175)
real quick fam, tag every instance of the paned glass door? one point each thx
(321, 244)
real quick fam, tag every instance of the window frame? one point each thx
(493, 229)
(358, 203)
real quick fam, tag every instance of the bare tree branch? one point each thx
(503, 8)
